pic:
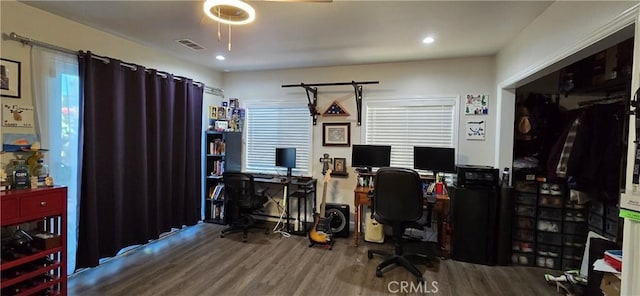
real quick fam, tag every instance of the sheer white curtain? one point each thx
(55, 89)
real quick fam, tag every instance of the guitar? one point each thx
(320, 221)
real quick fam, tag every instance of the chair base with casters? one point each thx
(398, 257)
(248, 222)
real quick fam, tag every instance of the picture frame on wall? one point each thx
(10, 78)
(336, 134)
(339, 166)
(213, 112)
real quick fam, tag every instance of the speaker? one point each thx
(339, 214)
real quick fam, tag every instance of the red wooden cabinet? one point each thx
(40, 268)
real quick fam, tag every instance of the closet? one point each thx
(569, 158)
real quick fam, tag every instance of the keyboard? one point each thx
(262, 176)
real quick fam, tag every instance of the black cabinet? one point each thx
(223, 152)
(473, 218)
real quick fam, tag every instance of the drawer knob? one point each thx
(43, 203)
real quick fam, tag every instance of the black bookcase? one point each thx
(223, 152)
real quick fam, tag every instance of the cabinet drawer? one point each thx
(9, 209)
(41, 204)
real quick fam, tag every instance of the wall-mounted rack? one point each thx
(313, 88)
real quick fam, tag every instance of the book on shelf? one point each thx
(218, 212)
(218, 193)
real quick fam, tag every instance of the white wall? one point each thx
(446, 77)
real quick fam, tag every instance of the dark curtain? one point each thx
(140, 159)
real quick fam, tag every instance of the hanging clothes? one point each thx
(594, 161)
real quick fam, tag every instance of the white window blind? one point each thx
(270, 127)
(423, 122)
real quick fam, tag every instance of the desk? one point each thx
(441, 208)
(304, 187)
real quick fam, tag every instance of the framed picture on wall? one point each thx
(9, 78)
(213, 112)
(336, 134)
(339, 166)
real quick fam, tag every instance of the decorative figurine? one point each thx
(48, 181)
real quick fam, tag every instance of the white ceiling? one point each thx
(296, 34)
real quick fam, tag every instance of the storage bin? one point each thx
(611, 226)
(597, 208)
(570, 264)
(549, 251)
(523, 246)
(571, 252)
(612, 212)
(524, 222)
(526, 198)
(524, 235)
(576, 241)
(577, 228)
(549, 225)
(549, 238)
(525, 186)
(575, 215)
(596, 221)
(527, 211)
(575, 206)
(522, 259)
(548, 262)
(550, 214)
(553, 201)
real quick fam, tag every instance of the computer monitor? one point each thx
(368, 156)
(435, 159)
(286, 157)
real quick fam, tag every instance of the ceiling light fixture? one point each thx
(428, 40)
(220, 57)
(230, 12)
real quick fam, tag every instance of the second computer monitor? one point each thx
(286, 157)
(435, 159)
(368, 156)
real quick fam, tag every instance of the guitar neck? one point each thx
(324, 198)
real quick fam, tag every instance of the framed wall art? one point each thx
(213, 112)
(336, 134)
(9, 78)
(339, 166)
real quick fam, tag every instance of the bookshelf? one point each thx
(223, 152)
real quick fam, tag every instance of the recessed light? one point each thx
(428, 40)
(220, 57)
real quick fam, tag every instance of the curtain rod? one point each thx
(29, 41)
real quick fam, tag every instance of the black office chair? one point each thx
(241, 201)
(398, 201)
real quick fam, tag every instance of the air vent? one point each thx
(190, 44)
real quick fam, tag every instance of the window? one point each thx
(407, 123)
(56, 95)
(277, 125)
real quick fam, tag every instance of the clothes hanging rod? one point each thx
(330, 84)
(29, 41)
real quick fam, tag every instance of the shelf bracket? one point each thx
(358, 93)
(312, 104)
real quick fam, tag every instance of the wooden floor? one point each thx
(196, 261)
